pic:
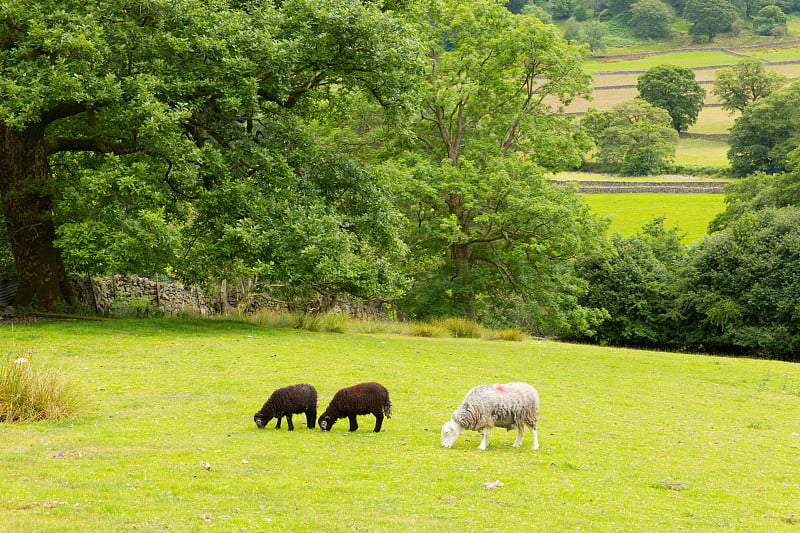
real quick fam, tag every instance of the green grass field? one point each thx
(693, 59)
(629, 212)
(630, 440)
(701, 152)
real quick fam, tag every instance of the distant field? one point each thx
(713, 120)
(614, 88)
(702, 152)
(693, 59)
(629, 212)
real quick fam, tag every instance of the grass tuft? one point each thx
(30, 393)
(508, 334)
(426, 329)
(462, 328)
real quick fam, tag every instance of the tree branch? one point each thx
(62, 110)
(94, 144)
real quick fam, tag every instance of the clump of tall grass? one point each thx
(507, 334)
(31, 393)
(343, 323)
(426, 329)
(462, 328)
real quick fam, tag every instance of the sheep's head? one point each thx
(326, 422)
(450, 432)
(261, 420)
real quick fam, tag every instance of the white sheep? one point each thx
(510, 405)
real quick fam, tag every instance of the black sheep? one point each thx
(300, 398)
(361, 399)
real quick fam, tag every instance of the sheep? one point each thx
(361, 399)
(510, 405)
(300, 398)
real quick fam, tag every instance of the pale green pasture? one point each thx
(630, 440)
(591, 176)
(790, 71)
(701, 152)
(692, 59)
(609, 80)
(629, 212)
(713, 120)
(776, 54)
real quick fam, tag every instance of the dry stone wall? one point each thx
(107, 295)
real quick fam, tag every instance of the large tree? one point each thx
(709, 17)
(675, 89)
(484, 225)
(768, 131)
(634, 137)
(745, 82)
(652, 18)
(197, 102)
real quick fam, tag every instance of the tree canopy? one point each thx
(709, 17)
(674, 89)
(186, 121)
(480, 214)
(745, 82)
(634, 137)
(768, 131)
(652, 18)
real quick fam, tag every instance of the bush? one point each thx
(741, 288)
(634, 284)
(135, 307)
(29, 393)
(770, 21)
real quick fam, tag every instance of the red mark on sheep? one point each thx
(500, 389)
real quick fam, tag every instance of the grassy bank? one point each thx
(631, 440)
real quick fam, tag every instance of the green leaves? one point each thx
(635, 137)
(745, 82)
(201, 104)
(674, 89)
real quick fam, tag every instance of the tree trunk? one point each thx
(460, 252)
(25, 183)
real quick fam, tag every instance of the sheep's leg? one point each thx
(520, 433)
(311, 418)
(378, 422)
(353, 423)
(278, 425)
(289, 422)
(535, 439)
(484, 439)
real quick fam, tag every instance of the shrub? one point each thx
(635, 285)
(135, 307)
(770, 21)
(741, 289)
(30, 393)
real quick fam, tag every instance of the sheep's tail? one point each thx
(387, 408)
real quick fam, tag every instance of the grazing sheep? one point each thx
(361, 399)
(511, 405)
(300, 398)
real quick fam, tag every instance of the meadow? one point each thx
(630, 440)
(691, 213)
